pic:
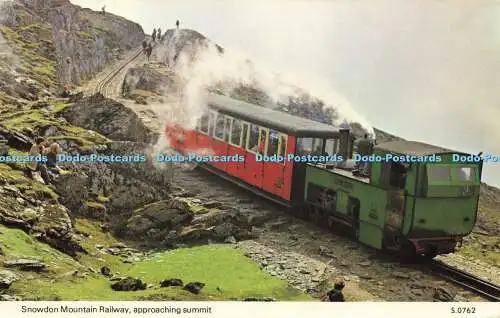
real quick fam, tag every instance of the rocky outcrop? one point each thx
(149, 79)
(126, 186)
(35, 210)
(109, 118)
(79, 41)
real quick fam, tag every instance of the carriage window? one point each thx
(236, 133)
(272, 148)
(219, 127)
(227, 133)
(253, 138)
(262, 141)
(204, 120)
(306, 146)
(466, 174)
(211, 121)
(317, 148)
(439, 173)
(284, 139)
(331, 146)
(244, 135)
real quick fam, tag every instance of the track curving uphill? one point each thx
(109, 83)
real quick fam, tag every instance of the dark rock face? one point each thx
(16, 139)
(167, 215)
(129, 186)
(26, 265)
(49, 223)
(82, 40)
(172, 282)
(194, 287)
(128, 284)
(109, 118)
(105, 271)
(443, 294)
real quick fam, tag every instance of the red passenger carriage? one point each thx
(232, 127)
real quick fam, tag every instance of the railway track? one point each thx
(104, 81)
(466, 280)
(104, 84)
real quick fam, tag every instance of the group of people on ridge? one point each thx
(156, 34)
(147, 49)
(50, 150)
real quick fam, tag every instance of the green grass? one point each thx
(218, 266)
(17, 244)
(83, 138)
(103, 199)
(47, 70)
(25, 119)
(474, 249)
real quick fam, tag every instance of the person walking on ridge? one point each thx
(154, 34)
(159, 35)
(52, 152)
(149, 50)
(177, 24)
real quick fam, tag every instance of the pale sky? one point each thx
(425, 70)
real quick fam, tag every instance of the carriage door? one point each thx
(262, 150)
(253, 168)
(274, 170)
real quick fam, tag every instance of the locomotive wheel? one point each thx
(407, 252)
(307, 213)
(356, 231)
(317, 219)
(430, 255)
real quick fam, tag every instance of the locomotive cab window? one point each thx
(439, 173)
(219, 127)
(398, 175)
(236, 133)
(466, 174)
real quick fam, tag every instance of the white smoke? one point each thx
(201, 65)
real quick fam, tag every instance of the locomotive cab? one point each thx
(432, 198)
